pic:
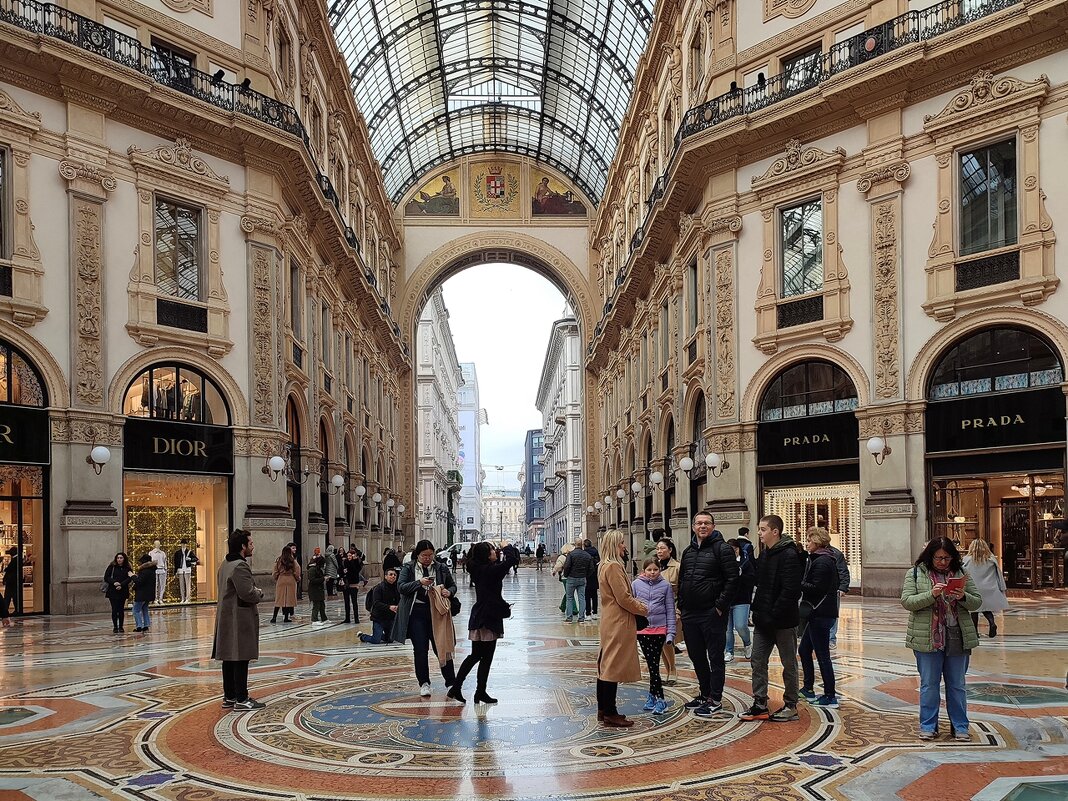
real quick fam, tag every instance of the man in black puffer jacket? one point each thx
(775, 620)
(708, 578)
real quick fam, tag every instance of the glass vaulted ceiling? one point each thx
(549, 79)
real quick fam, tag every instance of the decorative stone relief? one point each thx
(726, 405)
(88, 262)
(797, 159)
(791, 9)
(984, 90)
(179, 155)
(86, 430)
(887, 317)
(203, 6)
(77, 174)
(263, 350)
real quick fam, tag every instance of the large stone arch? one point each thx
(1008, 316)
(51, 373)
(139, 362)
(803, 353)
(492, 247)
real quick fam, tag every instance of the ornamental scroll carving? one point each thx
(73, 171)
(263, 356)
(791, 9)
(180, 155)
(88, 291)
(726, 399)
(887, 313)
(798, 158)
(985, 89)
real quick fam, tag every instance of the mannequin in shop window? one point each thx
(160, 558)
(185, 562)
(167, 400)
(190, 401)
(146, 395)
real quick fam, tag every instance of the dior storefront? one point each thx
(808, 466)
(178, 465)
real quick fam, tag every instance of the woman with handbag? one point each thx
(818, 611)
(617, 659)
(985, 571)
(116, 583)
(487, 567)
(422, 581)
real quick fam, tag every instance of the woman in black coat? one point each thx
(117, 578)
(486, 625)
(819, 588)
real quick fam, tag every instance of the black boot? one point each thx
(482, 698)
(455, 693)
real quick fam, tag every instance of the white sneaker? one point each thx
(594, 616)
(318, 623)
(728, 656)
(749, 652)
(424, 690)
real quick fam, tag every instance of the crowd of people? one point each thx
(785, 599)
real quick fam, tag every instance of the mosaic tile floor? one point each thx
(85, 714)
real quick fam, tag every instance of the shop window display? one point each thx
(835, 507)
(173, 392)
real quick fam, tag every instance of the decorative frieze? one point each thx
(886, 257)
(87, 263)
(725, 338)
(791, 9)
(264, 356)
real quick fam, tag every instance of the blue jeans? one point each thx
(817, 638)
(935, 668)
(834, 632)
(140, 612)
(738, 622)
(575, 592)
(377, 635)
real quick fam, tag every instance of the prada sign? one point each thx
(170, 447)
(823, 438)
(24, 435)
(1034, 417)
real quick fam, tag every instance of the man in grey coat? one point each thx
(237, 622)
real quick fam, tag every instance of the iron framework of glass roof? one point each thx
(548, 79)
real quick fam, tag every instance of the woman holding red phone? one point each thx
(939, 596)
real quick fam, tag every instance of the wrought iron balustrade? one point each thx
(798, 312)
(987, 271)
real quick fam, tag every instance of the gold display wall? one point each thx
(168, 524)
(833, 506)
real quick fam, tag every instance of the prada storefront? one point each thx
(995, 442)
(178, 464)
(808, 462)
(24, 459)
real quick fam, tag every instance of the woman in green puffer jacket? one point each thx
(941, 633)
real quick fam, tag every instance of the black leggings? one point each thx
(287, 612)
(606, 697)
(482, 654)
(989, 619)
(652, 645)
(118, 612)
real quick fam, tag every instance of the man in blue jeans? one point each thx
(577, 568)
(708, 578)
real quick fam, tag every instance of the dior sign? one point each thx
(171, 447)
(997, 420)
(23, 435)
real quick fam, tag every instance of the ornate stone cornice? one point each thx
(983, 95)
(181, 156)
(898, 173)
(76, 172)
(791, 9)
(251, 223)
(799, 161)
(12, 115)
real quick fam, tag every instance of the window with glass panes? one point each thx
(178, 249)
(801, 233)
(808, 389)
(996, 360)
(988, 216)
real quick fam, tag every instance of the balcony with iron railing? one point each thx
(909, 28)
(48, 19)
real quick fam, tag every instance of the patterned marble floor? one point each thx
(88, 715)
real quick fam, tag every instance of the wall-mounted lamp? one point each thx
(360, 491)
(390, 503)
(400, 508)
(274, 466)
(377, 497)
(99, 456)
(621, 493)
(607, 500)
(686, 464)
(878, 448)
(636, 489)
(656, 478)
(716, 464)
(337, 483)
(590, 510)
(598, 506)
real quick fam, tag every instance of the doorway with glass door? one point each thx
(22, 539)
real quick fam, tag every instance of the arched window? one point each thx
(20, 383)
(808, 389)
(697, 433)
(176, 392)
(995, 360)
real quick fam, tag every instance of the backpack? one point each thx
(368, 603)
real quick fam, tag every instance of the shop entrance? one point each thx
(835, 507)
(1016, 514)
(22, 547)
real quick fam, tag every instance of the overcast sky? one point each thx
(501, 316)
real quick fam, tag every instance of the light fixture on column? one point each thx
(636, 489)
(607, 500)
(878, 448)
(360, 491)
(337, 483)
(400, 508)
(598, 506)
(656, 478)
(686, 464)
(716, 464)
(377, 497)
(621, 493)
(390, 503)
(590, 510)
(98, 456)
(275, 466)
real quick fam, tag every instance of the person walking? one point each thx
(385, 598)
(12, 576)
(317, 588)
(938, 594)
(286, 580)
(421, 582)
(539, 555)
(390, 561)
(577, 567)
(708, 581)
(237, 623)
(486, 623)
(775, 619)
(819, 595)
(617, 659)
(652, 589)
(738, 622)
(117, 577)
(351, 578)
(985, 571)
(144, 592)
(591, 579)
(667, 559)
(512, 553)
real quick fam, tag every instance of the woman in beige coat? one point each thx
(286, 575)
(618, 658)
